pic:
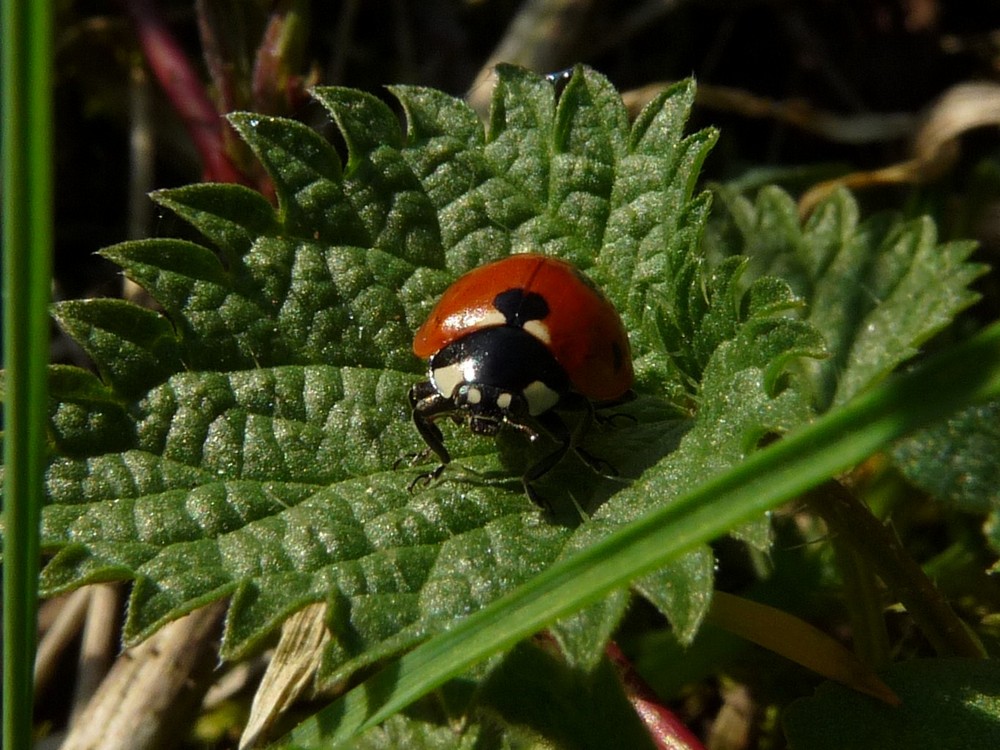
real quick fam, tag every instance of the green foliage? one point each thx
(877, 289)
(244, 443)
(530, 699)
(567, 707)
(421, 734)
(784, 470)
(958, 462)
(946, 703)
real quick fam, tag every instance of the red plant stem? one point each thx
(666, 730)
(185, 91)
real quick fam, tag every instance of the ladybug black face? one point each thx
(489, 378)
(498, 374)
(487, 408)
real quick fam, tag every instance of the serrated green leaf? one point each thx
(76, 385)
(379, 183)
(445, 150)
(133, 348)
(434, 117)
(89, 428)
(176, 259)
(741, 403)
(919, 286)
(582, 637)
(366, 123)
(683, 589)
(254, 454)
(417, 733)
(222, 318)
(240, 484)
(877, 289)
(654, 225)
(945, 703)
(517, 142)
(780, 472)
(231, 217)
(744, 397)
(85, 414)
(568, 706)
(307, 178)
(958, 462)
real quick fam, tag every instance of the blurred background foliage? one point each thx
(801, 90)
(899, 99)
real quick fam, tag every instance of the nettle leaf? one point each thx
(877, 289)
(746, 396)
(244, 442)
(958, 462)
(419, 733)
(945, 703)
(558, 706)
(528, 699)
(133, 348)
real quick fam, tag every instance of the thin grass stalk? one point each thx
(25, 154)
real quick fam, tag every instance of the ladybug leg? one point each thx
(556, 427)
(428, 405)
(598, 465)
(615, 420)
(586, 407)
(609, 419)
(568, 439)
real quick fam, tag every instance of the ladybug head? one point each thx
(486, 407)
(495, 376)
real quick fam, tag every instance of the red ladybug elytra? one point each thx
(511, 340)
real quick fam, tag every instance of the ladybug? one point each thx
(508, 344)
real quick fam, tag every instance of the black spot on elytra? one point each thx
(519, 307)
(617, 356)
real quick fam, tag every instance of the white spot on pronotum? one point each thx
(539, 330)
(540, 398)
(474, 395)
(504, 401)
(446, 379)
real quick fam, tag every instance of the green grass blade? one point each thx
(781, 472)
(25, 152)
